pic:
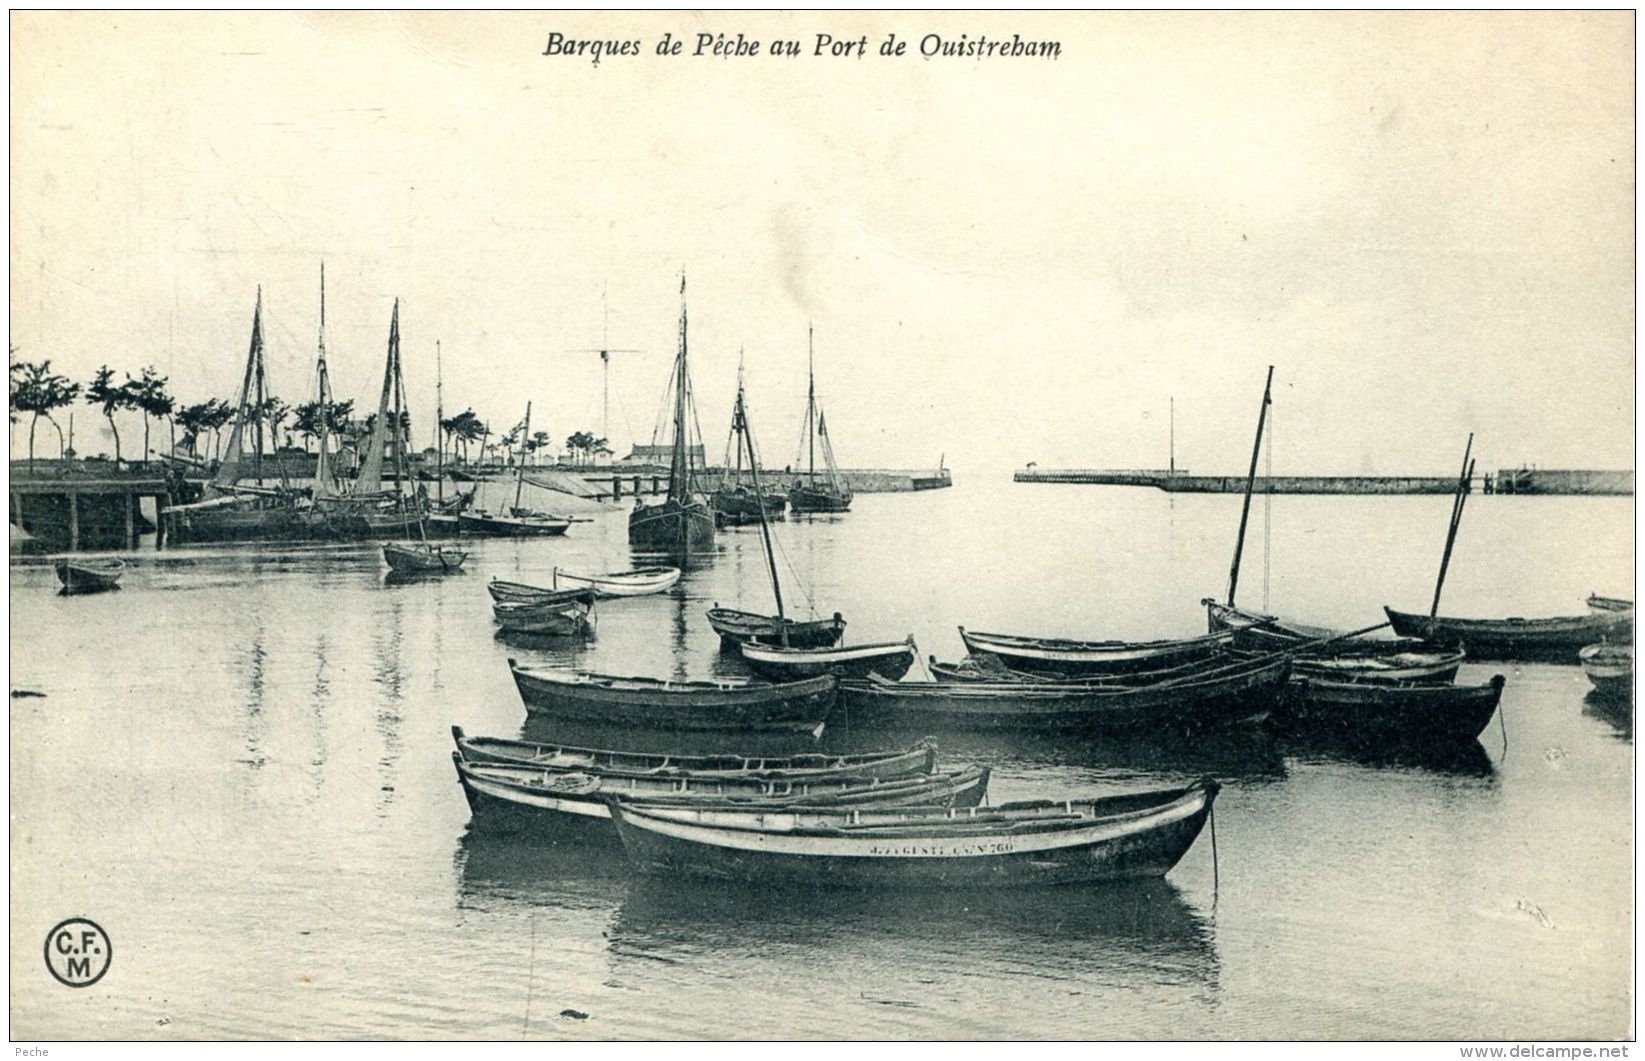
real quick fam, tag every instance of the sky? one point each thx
(1424, 221)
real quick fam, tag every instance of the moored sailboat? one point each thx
(808, 494)
(414, 556)
(684, 519)
(780, 631)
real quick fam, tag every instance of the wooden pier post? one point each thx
(131, 526)
(656, 484)
(74, 521)
(616, 488)
(160, 501)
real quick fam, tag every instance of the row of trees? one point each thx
(36, 391)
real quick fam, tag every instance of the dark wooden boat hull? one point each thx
(78, 578)
(735, 627)
(491, 526)
(795, 707)
(671, 525)
(921, 759)
(1084, 658)
(888, 661)
(562, 619)
(1394, 714)
(1242, 694)
(806, 499)
(1555, 640)
(738, 508)
(1142, 844)
(403, 560)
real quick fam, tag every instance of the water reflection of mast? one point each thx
(255, 722)
(681, 637)
(321, 698)
(390, 676)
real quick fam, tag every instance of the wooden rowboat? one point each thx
(888, 659)
(409, 559)
(1395, 713)
(1404, 659)
(1610, 666)
(633, 583)
(564, 614)
(90, 576)
(1240, 692)
(560, 801)
(1042, 842)
(985, 667)
(729, 706)
(735, 627)
(1554, 639)
(1076, 658)
(495, 524)
(920, 759)
(1609, 604)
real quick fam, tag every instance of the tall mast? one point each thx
(739, 423)
(679, 488)
(811, 400)
(370, 478)
(439, 428)
(228, 470)
(519, 468)
(605, 364)
(1250, 481)
(739, 478)
(1456, 521)
(1173, 434)
(322, 464)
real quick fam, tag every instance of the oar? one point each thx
(1258, 662)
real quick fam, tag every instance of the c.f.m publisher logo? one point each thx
(78, 952)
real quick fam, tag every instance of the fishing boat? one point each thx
(1237, 693)
(684, 519)
(89, 576)
(1557, 639)
(888, 659)
(920, 759)
(421, 558)
(718, 705)
(498, 525)
(1394, 712)
(986, 667)
(1610, 666)
(635, 582)
(415, 556)
(517, 522)
(234, 510)
(563, 614)
(1609, 604)
(1320, 652)
(808, 494)
(1553, 639)
(561, 801)
(738, 503)
(740, 506)
(1141, 834)
(1078, 658)
(735, 627)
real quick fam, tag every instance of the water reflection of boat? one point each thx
(1615, 711)
(1248, 753)
(1469, 760)
(1141, 933)
(540, 870)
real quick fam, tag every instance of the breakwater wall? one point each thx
(1506, 481)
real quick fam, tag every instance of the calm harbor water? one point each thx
(240, 768)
